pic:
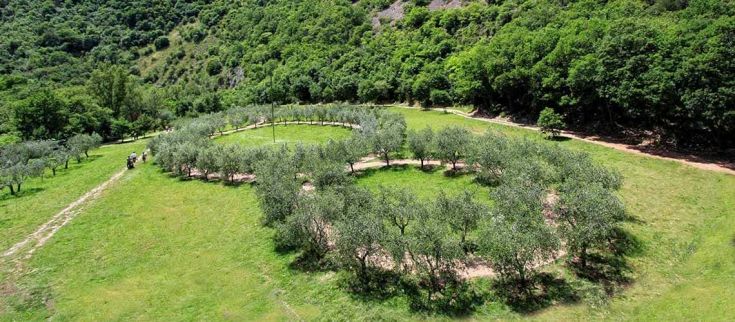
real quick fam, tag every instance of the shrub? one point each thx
(214, 67)
(161, 43)
(550, 123)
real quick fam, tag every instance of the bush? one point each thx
(550, 123)
(214, 67)
(161, 43)
(440, 97)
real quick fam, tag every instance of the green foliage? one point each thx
(161, 43)
(463, 213)
(214, 67)
(421, 144)
(277, 189)
(589, 217)
(550, 122)
(452, 144)
(517, 240)
(207, 160)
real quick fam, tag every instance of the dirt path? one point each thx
(691, 160)
(24, 249)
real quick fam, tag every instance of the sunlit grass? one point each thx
(291, 133)
(41, 198)
(155, 247)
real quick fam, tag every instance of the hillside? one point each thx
(650, 70)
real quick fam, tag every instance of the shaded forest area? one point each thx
(664, 68)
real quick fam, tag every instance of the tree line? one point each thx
(546, 201)
(658, 68)
(21, 161)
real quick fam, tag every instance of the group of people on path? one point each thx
(133, 157)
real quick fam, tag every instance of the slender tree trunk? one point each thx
(66, 164)
(12, 190)
(86, 153)
(352, 168)
(53, 170)
(18, 190)
(422, 163)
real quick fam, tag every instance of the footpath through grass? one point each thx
(41, 198)
(159, 248)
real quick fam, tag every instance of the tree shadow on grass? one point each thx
(456, 173)
(624, 243)
(365, 173)
(457, 298)
(559, 138)
(308, 263)
(611, 272)
(610, 269)
(24, 192)
(379, 286)
(545, 290)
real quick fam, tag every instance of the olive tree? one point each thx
(421, 144)
(229, 161)
(517, 240)
(388, 140)
(237, 117)
(358, 240)
(57, 158)
(185, 158)
(491, 154)
(328, 174)
(82, 143)
(433, 249)
(462, 213)
(277, 189)
(452, 144)
(588, 217)
(207, 159)
(310, 225)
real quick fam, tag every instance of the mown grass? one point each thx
(159, 248)
(41, 198)
(426, 183)
(290, 133)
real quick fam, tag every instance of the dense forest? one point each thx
(663, 68)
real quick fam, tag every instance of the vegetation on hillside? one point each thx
(662, 67)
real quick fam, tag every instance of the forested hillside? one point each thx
(665, 67)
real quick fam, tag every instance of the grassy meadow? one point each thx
(155, 247)
(41, 198)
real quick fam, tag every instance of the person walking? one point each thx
(144, 156)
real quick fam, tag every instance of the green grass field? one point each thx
(154, 247)
(290, 133)
(41, 198)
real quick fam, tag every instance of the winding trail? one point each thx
(691, 160)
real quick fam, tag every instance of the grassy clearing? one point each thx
(426, 183)
(307, 134)
(156, 247)
(41, 198)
